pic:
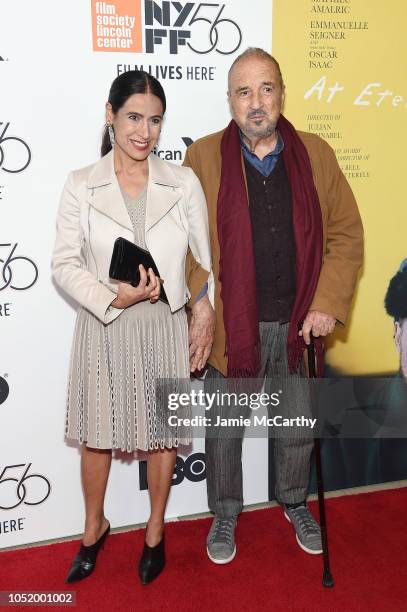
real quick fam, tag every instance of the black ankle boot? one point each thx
(152, 561)
(85, 561)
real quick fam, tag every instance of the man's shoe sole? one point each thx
(310, 551)
(221, 561)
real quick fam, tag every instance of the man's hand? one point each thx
(201, 333)
(319, 323)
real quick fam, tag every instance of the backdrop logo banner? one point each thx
(15, 154)
(193, 469)
(16, 271)
(173, 154)
(4, 389)
(5, 309)
(200, 26)
(117, 26)
(18, 486)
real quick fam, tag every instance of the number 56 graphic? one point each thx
(22, 488)
(217, 29)
(15, 154)
(27, 272)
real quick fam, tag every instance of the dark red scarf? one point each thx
(237, 267)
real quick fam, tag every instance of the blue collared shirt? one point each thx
(266, 165)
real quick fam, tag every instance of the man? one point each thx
(286, 241)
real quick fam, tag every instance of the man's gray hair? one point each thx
(260, 54)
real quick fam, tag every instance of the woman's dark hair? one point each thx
(124, 86)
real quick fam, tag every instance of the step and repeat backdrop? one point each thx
(57, 63)
(343, 63)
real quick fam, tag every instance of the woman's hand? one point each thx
(127, 295)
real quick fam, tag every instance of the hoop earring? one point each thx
(111, 134)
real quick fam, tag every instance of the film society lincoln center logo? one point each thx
(143, 26)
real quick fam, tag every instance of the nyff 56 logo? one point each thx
(201, 26)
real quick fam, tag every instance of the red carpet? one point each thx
(368, 547)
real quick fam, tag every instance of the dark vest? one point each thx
(273, 239)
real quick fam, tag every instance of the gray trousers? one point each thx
(291, 453)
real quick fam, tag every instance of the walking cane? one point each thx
(327, 579)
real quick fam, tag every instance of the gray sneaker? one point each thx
(306, 529)
(220, 543)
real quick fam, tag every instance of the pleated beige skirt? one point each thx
(116, 373)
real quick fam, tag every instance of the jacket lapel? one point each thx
(104, 192)
(163, 190)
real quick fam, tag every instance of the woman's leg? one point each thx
(95, 467)
(160, 468)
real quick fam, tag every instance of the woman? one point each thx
(125, 337)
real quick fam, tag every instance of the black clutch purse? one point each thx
(126, 258)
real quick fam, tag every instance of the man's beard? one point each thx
(258, 130)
